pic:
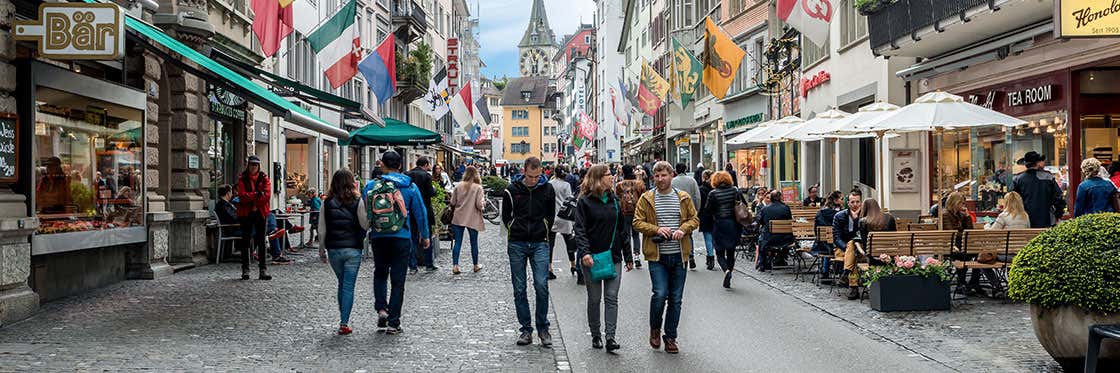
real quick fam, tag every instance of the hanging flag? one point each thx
(380, 70)
(272, 22)
(651, 90)
(305, 16)
(475, 134)
(481, 112)
(461, 105)
(434, 103)
(686, 73)
(810, 17)
(721, 59)
(337, 45)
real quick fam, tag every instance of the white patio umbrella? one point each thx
(811, 130)
(850, 127)
(742, 138)
(777, 130)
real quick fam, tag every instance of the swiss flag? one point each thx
(810, 17)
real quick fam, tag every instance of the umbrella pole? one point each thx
(940, 184)
(879, 165)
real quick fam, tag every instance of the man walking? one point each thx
(1042, 197)
(687, 184)
(666, 217)
(528, 210)
(253, 193)
(394, 205)
(422, 177)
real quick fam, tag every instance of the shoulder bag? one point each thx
(602, 267)
(743, 212)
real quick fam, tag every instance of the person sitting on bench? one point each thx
(871, 219)
(776, 210)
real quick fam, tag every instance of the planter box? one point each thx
(1064, 333)
(909, 293)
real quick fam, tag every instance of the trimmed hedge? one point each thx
(1076, 263)
(495, 184)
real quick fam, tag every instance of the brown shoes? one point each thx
(655, 339)
(671, 346)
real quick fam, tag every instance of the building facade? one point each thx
(524, 104)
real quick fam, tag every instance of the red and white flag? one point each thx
(810, 17)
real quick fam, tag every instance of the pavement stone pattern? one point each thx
(208, 319)
(977, 335)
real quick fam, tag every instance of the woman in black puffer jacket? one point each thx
(720, 206)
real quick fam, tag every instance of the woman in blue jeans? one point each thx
(467, 202)
(343, 224)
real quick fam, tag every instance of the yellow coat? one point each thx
(645, 221)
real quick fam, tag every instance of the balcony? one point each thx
(927, 28)
(409, 21)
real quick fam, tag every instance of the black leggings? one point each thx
(252, 232)
(726, 258)
(569, 245)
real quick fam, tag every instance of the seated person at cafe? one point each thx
(227, 213)
(957, 218)
(871, 219)
(776, 210)
(844, 227)
(827, 214)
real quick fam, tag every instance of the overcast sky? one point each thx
(503, 22)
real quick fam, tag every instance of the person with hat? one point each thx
(253, 193)
(1042, 196)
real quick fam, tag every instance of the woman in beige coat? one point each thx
(467, 202)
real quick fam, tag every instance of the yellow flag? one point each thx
(721, 59)
(651, 90)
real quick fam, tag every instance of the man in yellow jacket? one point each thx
(666, 217)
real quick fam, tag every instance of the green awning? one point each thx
(222, 75)
(395, 133)
(297, 89)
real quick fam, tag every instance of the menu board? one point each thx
(9, 151)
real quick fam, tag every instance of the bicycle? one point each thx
(491, 211)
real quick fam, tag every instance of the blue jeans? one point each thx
(709, 243)
(667, 276)
(536, 255)
(458, 232)
(423, 257)
(345, 263)
(390, 258)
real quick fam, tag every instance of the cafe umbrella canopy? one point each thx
(395, 133)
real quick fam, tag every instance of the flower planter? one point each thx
(909, 293)
(1064, 333)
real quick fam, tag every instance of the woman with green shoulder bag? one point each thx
(602, 246)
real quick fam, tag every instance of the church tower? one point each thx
(538, 45)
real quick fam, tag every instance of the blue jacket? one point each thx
(417, 212)
(841, 233)
(1093, 195)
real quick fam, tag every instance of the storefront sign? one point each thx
(1087, 18)
(9, 148)
(260, 131)
(694, 138)
(811, 83)
(226, 105)
(904, 171)
(452, 64)
(76, 31)
(748, 120)
(1030, 96)
(192, 161)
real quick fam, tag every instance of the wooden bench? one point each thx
(921, 227)
(1001, 242)
(903, 224)
(933, 243)
(806, 214)
(889, 243)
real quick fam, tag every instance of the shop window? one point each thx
(811, 53)
(88, 165)
(853, 26)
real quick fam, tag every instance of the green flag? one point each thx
(686, 73)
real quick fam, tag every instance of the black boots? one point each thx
(711, 264)
(854, 294)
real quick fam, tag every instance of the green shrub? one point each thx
(1076, 263)
(440, 201)
(494, 184)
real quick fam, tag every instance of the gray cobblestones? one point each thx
(205, 319)
(982, 335)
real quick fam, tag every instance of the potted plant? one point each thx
(1070, 275)
(414, 69)
(440, 202)
(908, 284)
(868, 7)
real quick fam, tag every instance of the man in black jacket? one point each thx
(845, 228)
(422, 177)
(776, 210)
(528, 208)
(227, 213)
(1042, 197)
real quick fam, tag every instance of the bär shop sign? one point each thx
(1087, 18)
(76, 31)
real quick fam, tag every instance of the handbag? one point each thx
(987, 258)
(602, 267)
(448, 214)
(743, 213)
(567, 209)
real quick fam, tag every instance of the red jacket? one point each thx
(253, 195)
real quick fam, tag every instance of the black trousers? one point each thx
(252, 235)
(726, 258)
(569, 245)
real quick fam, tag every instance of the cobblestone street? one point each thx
(206, 319)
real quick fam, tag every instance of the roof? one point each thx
(537, 85)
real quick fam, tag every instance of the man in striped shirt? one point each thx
(666, 217)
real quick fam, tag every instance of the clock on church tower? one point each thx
(535, 62)
(538, 45)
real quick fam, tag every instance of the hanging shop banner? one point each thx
(1087, 18)
(76, 31)
(904, 171)
(452, 64)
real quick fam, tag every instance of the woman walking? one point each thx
(706, 220)
(599, 236)
(563, 227)
(726, 230)
(343, 223)
(467, 203)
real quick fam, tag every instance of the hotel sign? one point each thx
(1087, 18)
(76, 31)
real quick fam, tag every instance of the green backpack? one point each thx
(385, 207)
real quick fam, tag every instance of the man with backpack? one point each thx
(528, 211)
(628, 191)
(393, 206)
